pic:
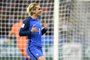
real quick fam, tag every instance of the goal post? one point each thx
(56, 28)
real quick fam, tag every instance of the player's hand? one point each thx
(45, 25)
(34, 29)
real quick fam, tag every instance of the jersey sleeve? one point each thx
(43, 31)
(24, 30)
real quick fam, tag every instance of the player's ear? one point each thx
(33, 11)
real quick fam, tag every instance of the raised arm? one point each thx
(24, 31)
(44, 29)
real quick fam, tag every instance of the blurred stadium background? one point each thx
(74, 28)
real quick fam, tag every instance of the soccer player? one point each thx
(32, 28)
(21, 44)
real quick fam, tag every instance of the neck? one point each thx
(34, 16)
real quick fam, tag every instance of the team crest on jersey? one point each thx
(34, 25)
(37, 54)
(22, 25)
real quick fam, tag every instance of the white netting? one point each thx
(74, 30)
(13, 10)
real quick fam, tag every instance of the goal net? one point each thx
(12, 11)
(73, 28)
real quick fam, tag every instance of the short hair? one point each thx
(31, 7)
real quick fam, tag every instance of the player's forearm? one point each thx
(44, 31)
(45, 27)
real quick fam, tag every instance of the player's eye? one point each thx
(39, 8)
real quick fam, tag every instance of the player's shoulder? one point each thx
(27, 19)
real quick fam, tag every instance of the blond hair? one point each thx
(31, 8)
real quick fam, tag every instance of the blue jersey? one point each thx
(34, 47)
(34, 38)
